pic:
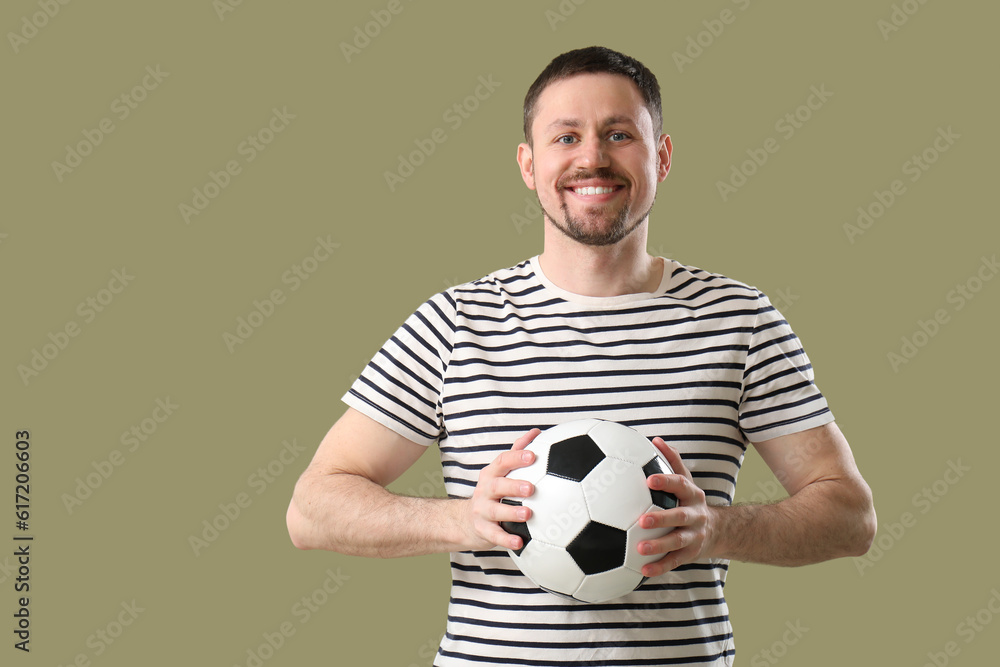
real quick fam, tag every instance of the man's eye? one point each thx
(566, 139)
(619, 136)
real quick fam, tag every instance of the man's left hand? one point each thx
(692, 519)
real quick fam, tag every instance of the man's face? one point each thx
(595, 157)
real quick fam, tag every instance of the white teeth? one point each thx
(593, 191)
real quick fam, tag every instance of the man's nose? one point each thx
(593, 154)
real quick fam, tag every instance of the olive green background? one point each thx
(462, 213)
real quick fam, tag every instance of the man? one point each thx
(592, 327)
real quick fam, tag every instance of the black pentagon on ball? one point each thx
(598, 548)
(661, 499)
(573, 458)
(518, 528)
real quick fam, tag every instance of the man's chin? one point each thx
(600, 233)
(597, 226)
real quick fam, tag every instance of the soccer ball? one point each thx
(590, 490)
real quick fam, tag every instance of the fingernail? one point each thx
(522, 514)
(525, 489)
(526, 457)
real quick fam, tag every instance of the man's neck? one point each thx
(624, 268)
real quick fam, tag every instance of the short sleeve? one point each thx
(401, 386)
(779, 395)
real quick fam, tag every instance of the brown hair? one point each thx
(590, 60)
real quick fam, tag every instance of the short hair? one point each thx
(595, 60)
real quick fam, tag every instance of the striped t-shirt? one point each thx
(704, 362)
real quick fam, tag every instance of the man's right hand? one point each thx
(341, 502)
(483, 512)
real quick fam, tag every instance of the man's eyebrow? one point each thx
(563, 122)
(575, 122)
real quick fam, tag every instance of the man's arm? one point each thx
(829, 512)
(340, 502)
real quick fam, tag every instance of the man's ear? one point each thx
(665, 149)
(524, 162)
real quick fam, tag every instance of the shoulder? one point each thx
(511, 284)
(499, 282)
(690, 283)
(488, 294)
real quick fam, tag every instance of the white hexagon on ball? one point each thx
(636, 534)
(609, 585)
(550, 567)
(616, 493)
(627, 444)
(558, 511)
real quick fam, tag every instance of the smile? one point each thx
(593, 191)
(596, 192)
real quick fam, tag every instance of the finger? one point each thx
(507, 540)
(672, 518)
(673, 457)
(671, 561)
(512, 460)
(495, 534)
(509, 519)
(510, 487)
(508, 511)
(515, 457)
(672, 541)
(506, 462)
(681, 487)
(526, 439)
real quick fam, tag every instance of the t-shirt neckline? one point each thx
(661, 289)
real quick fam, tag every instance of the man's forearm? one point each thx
(822, 521)
(353, 515)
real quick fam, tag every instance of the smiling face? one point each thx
(595, 158)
